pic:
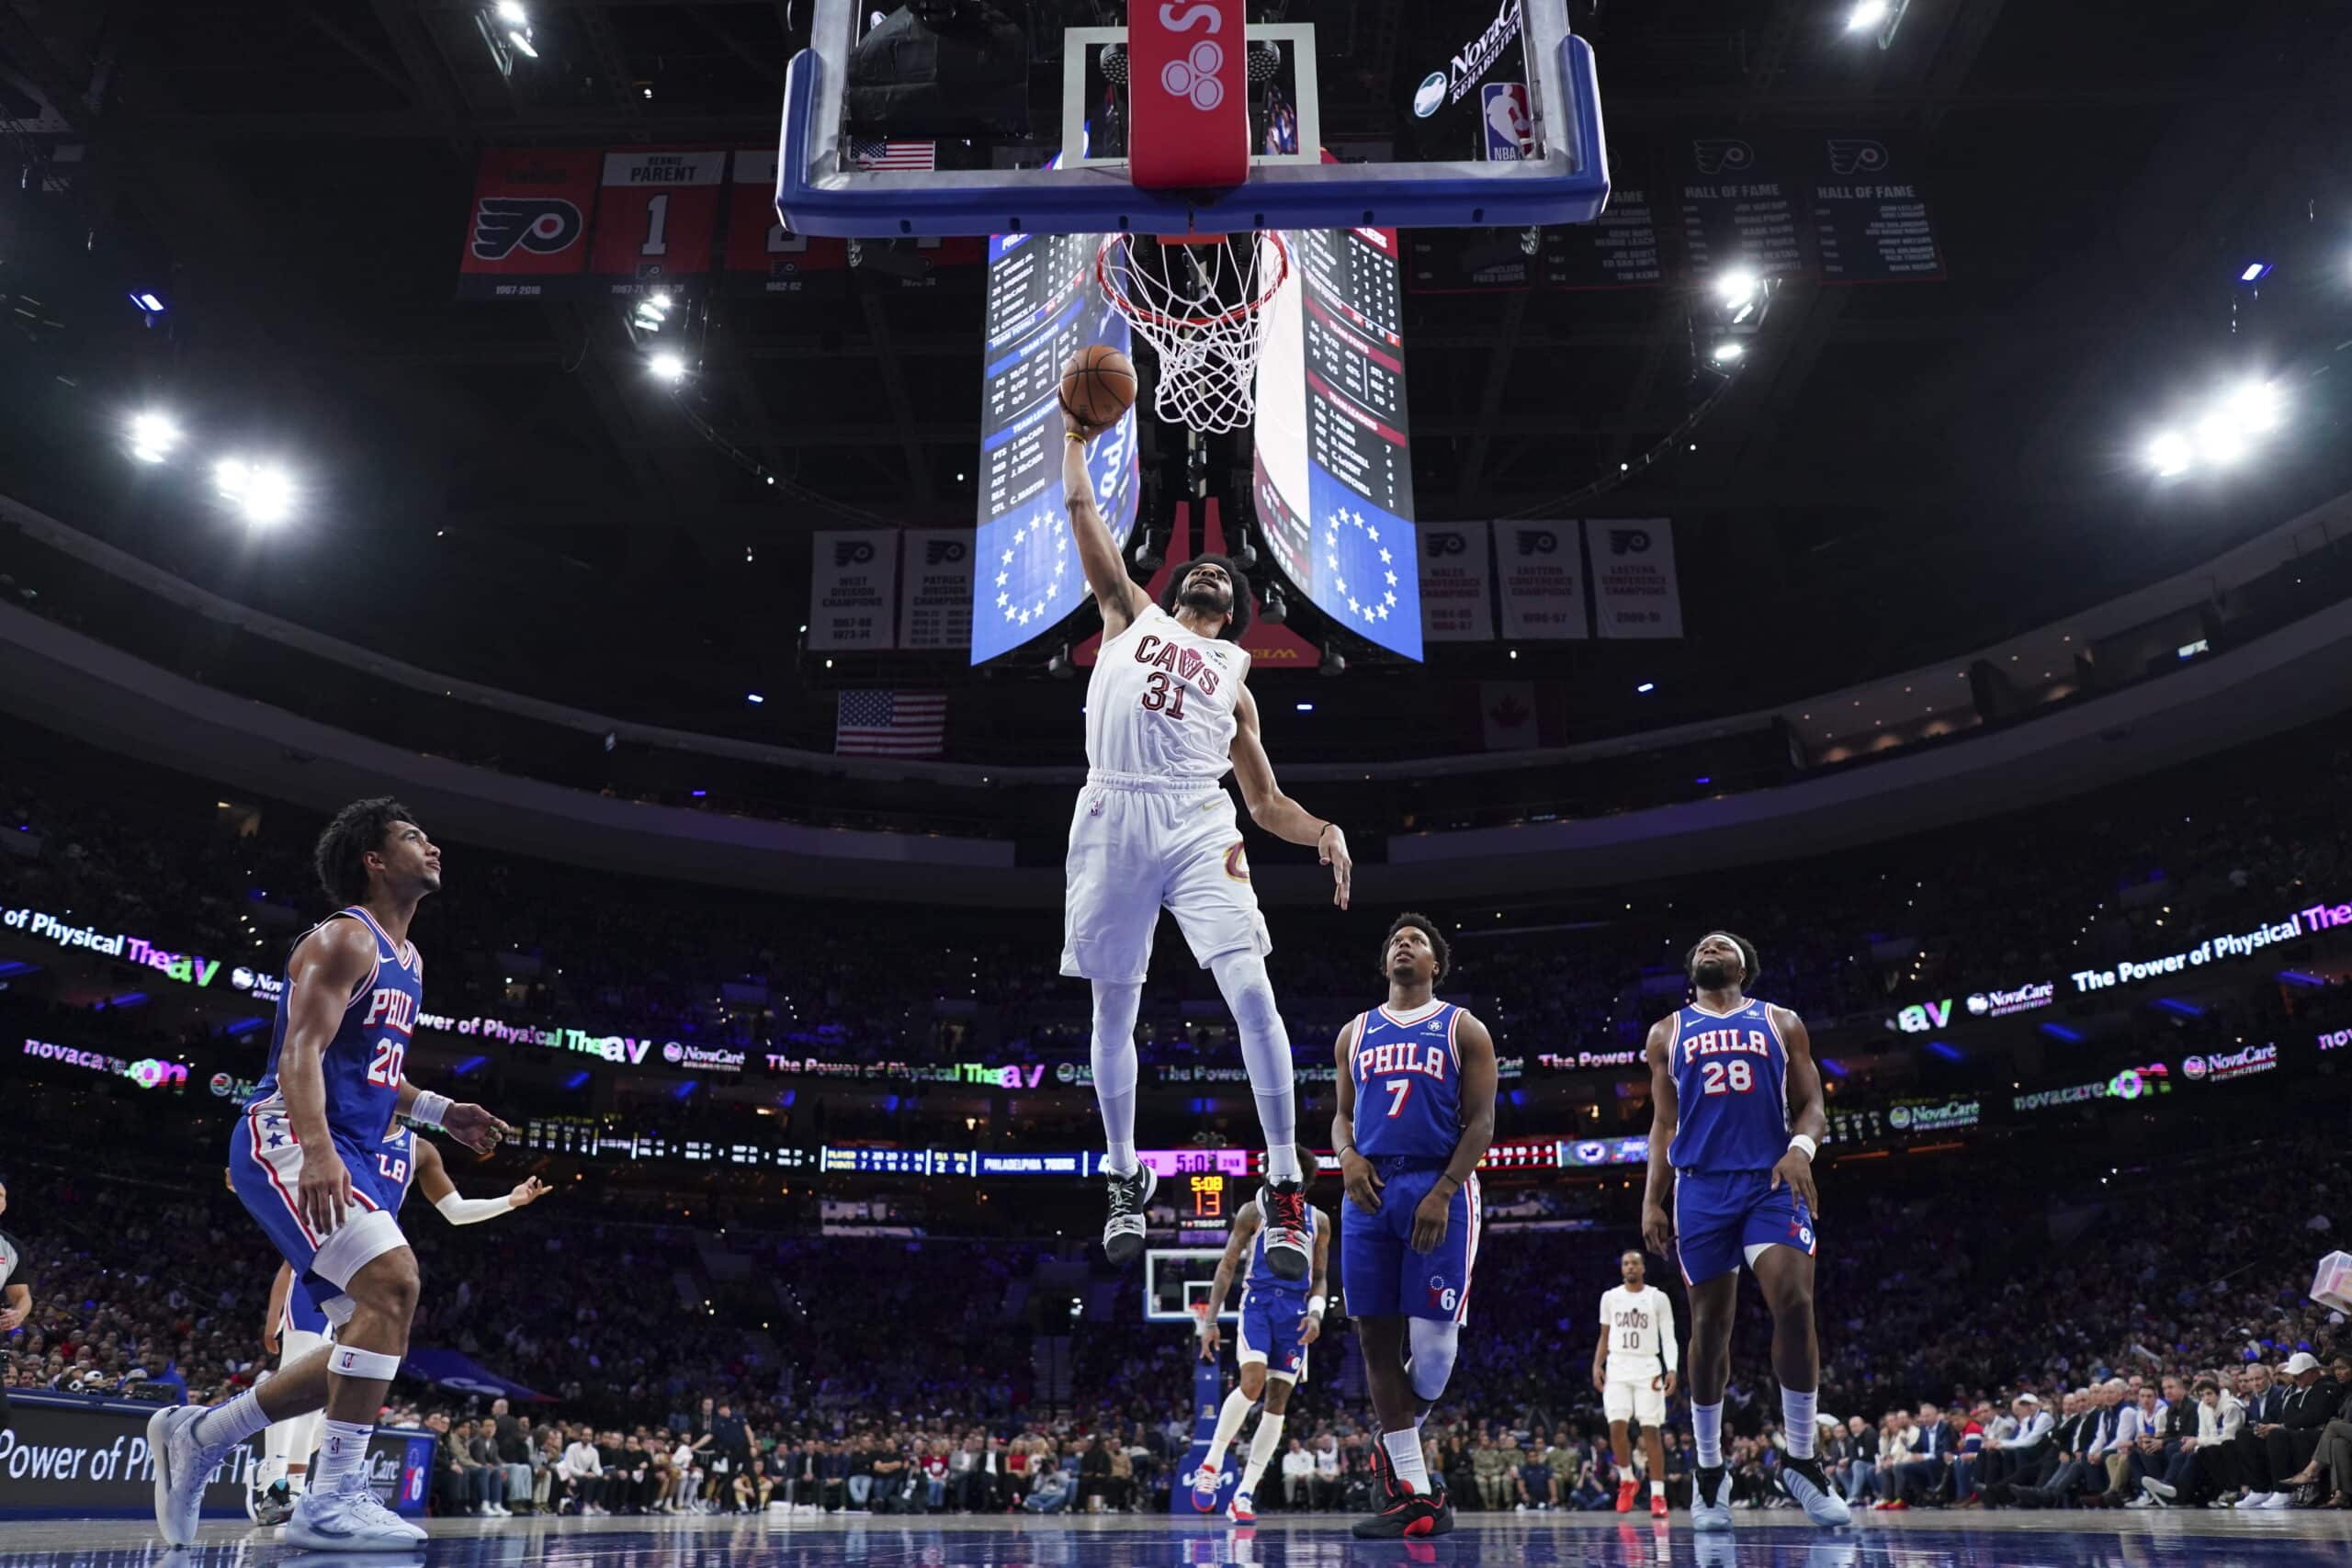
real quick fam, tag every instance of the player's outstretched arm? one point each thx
(1362, 1183)
(1237, 1246)
(433, 1176)
(1277, 813)
(328, 969)
(1809, 1115)
(1122, 599)
(1657, 1227)
(464, 1121)
(1476, 1050)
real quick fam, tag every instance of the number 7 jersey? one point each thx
(1731, 1088)
(1160, 702)
(1407, 1074)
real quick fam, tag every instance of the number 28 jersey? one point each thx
(1160, 702)
(363, 1065)
(1731, 1088)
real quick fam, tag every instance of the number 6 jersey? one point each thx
(1160, 704)
(363, 1065)
(1731, 1076)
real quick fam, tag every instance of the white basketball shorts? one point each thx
(1137, 846)
(1633, 1399)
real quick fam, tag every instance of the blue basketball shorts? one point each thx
(1721, 1218)
(1271, 1322)
(303, 1314)
(265, 1168)
(1380, 1273)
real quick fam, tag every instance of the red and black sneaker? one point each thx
(1408, 1515)
(1286, 1234)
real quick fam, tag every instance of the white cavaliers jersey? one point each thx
(1160, 704)
(1640, 1328)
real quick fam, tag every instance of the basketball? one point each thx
(1098, 385)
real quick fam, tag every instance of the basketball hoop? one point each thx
(1196, 300)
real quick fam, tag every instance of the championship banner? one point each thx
(1634, 591)
(657, 214)
(1457, 604)
(526, 232)
(1543, 579)
(763, 255)
(935, 591)
(852, 589)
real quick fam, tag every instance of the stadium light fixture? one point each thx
(510, 11)
(521, 39)
(1865, 15)
(2254, 407)
(1306, 708)
(2219, 440)
(753, 698)
(262, 491)
(1729, 351)
(1647, 687)
(669, 366)
(2170, 453)
(153, 436)
(147, 300)
(1737, 287)
(2254, 272)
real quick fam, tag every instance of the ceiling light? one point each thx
(2254, 272)
(261, 491)
(753, 698)
(2254, 406)
(513, 15)
(1865, 14)
(1646, 686)
(2219, 440)
(153, 436)
(669, 366)
(2169, 453)
(1736, 286)
(522, 42)
(1726, 352)
(147, 301)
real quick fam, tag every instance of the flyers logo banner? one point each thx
(1857, 156)
(1722, 155)
(526, 232)
(543, 225)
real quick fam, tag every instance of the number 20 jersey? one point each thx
(1731, 1077)
(1160, 704)
(363, 1062)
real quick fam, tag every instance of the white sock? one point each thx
(1707, 1434)
(1405, 1455)
(343, 1456)
(1658, 1488)
(1115, 1006)
(1265, 1051)
(298, 1479)
(1261, 1450)
(1796, 1420)
(1229, 1417)
(230, 1422)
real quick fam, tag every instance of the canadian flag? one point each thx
(1507, 709)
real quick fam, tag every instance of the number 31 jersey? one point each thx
(1731, 1077)
(1160, 704)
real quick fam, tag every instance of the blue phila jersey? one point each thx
(1407, 1076)
(1262, 1280)
(363, 1062)
(1731, 1087)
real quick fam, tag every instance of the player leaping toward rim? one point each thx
(1166, 713)
(1738, 1170)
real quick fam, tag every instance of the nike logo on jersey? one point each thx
(1375, 1060)
(1720, 1041)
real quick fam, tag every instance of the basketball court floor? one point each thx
(2172, 1539)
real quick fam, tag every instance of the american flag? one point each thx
(878, 156)
(891, 723)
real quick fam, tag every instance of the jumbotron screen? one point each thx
(1044, 306)
(1333, 467)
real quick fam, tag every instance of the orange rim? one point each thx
(1136, 313)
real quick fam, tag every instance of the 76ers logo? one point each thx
(1442, 1296)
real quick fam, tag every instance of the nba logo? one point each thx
(1511, 129)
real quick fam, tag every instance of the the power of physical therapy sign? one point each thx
(1188, 93)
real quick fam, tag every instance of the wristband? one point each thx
(1801, 1141)
(430, 1108)
(1315, 1308)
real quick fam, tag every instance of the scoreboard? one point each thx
(1204, 1200)
(1332, 465)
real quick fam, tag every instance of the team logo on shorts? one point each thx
(1236, 863)
(1094, 807)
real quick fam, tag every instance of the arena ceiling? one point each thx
(500, 491)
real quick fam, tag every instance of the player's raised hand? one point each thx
(1428, 1220)
(530, 1192)
(1658, 1229)
(1796, 1170)
(1362, 1183)
(1331, 848)
(323, 1191)
(475, 1128)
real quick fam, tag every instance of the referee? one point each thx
(18, 1298)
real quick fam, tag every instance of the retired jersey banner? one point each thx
(657, 217)
(1634, 591)
(1543, 579)
(526, 232)
(936, 593)
(1457, 601)
(852, 589)
(763, 255)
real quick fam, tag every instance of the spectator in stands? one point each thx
(1049, 1486)
(1921, 1478)
(1539, 1489)
(1298, 1476)
(578, 1476)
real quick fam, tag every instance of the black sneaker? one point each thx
(1809, 1488)
(1409, 1514)
(1285, 1206)
(1123, 1232)
(270, 1507)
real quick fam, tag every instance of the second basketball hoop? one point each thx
(1197, 300)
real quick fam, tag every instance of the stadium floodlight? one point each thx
(1865, 14)
(2169, 453)
(2254, 407)
(2219, 441)
(1647, 687)
(753, 698)
(262, 491)
(511, 13)
(521, 39)
(153, 436)
(669, 366)
(147, 300)
(1729, 351)
(661, 301)
(1737, 287)
(2254, 272)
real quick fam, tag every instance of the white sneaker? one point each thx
(1712, 1513)
(2254, 1500)
(2279, 1500)
(2146, 1501)
(181, 1468)
(2159, 1490)
(350, 1521)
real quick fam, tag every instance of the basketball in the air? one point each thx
(1098, 385)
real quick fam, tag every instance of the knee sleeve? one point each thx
(1116, 1003)
(1434, 1345)
(1241, 979)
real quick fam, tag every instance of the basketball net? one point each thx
(1197, 299)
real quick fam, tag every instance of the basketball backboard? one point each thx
(1177, 1280)
(1498, 127)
